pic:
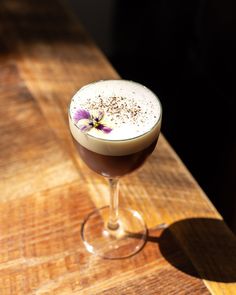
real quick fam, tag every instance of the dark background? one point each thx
(185, 52)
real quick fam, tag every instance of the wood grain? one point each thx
(41, 251)
(31, 158)
(46, 190)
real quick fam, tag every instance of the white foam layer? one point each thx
(132, 111)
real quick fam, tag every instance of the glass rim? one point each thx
(117, 140)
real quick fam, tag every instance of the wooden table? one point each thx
(45, 189)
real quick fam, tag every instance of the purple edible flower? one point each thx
(104, 128)
(98, 116)
(85, 128)
(81, 114)
(86, 121)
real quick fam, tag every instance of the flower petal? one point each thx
(104, 128)
(85, 125)
(85, 129)
(81, 114)
(97, 115)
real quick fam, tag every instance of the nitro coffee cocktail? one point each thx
(115, 125)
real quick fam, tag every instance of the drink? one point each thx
(132, 114)
(114, 166)
(115, 125)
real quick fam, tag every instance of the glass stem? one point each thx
(114, 204)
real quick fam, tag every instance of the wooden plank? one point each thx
(31, 158)
(41, 251)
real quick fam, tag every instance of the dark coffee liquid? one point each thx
(114, 166)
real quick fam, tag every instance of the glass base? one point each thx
(125, 241)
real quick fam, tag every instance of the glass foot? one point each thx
(123, 242)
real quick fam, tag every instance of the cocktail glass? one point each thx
(114, 232)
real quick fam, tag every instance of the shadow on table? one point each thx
(209, 245)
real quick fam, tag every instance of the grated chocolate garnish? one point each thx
(116, 106)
